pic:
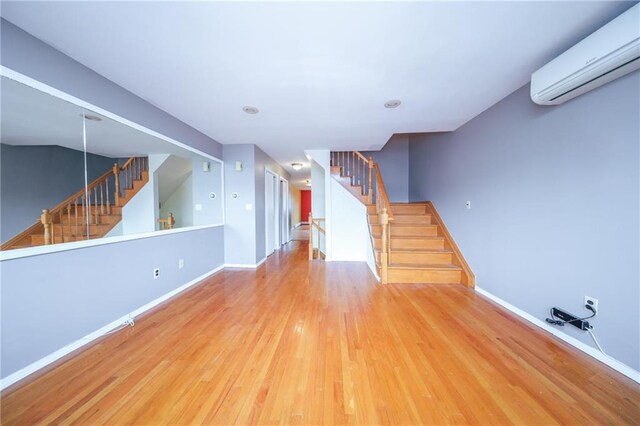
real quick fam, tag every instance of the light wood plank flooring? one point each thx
(295, 342)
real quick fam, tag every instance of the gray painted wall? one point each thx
(393, 160)
(45, 305)
(45, 308)
(245, 231)
(33, 178)
(555, 204)
(240, 223)
(205, 183)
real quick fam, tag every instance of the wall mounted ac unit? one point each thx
(609, 53)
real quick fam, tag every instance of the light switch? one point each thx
(198, 207)
(206, 166)
(238, 166)
(248, 206)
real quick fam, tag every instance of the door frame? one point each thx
(276, 201)
(285, 214)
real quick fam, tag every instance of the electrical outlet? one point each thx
(156, 273)
(180, 263)
(468, 204)
(592, 301)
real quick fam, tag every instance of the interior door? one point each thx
(270, 211)
(284, 212)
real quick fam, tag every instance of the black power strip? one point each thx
(570, 319)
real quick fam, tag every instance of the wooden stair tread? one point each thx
(411, 225)
(419, 237)
(421, 250)
(448, 267)
(420, 203)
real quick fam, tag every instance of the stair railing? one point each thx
(356, 166)
(167, 223)
(385, 216)
(366, 172)
(76, 215)
(315, 225)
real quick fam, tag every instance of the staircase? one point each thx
(411, 242)
(87, 214)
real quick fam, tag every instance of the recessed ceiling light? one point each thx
(91, 117)
(296, 166)
(250, 110)
(394, 103)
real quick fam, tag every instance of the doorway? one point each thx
(272, 222)
(285, 219)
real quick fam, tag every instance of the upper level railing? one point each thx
(317, 236)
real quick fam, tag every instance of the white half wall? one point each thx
(321, 206)
(349, 229)
(139, 214)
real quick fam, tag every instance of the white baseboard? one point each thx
(43, 362)
(589, 350)
(245, 265)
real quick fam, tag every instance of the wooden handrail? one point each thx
(127, 163)
(362, 157)
(167, 223)
(61, 206)
(36, 227)
(314, 222)
(95, 199)
(382, 191)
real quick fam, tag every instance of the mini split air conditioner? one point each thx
(609, 53)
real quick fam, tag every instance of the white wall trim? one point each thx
(245, 265)
(28, 81)
(54, 248)
(43, 362)
(589, 350)
(35, 251)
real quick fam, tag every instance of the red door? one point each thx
(305, 205)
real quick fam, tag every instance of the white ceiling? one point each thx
(319, 72)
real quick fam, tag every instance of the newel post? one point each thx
(116, 174)
(171, 221)
(384, 253)
(310, 237)
(45, 219)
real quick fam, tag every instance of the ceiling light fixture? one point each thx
(91, 117)
(296, 166)
(250, 110)
(394, 103)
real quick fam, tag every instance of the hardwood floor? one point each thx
(301, 233)
(295, 342)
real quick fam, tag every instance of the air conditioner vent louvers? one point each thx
(609, 53)
(596, 78)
